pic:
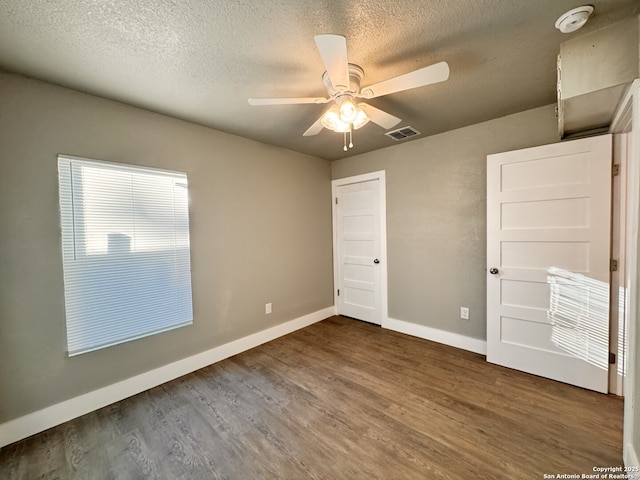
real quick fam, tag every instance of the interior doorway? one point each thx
(359, 246)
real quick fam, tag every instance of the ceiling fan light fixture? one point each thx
(361, 119)
(574, 19)
(348, 111)
(331, 120)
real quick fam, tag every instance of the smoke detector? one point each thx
(574, 19)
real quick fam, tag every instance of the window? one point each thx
(125, 250)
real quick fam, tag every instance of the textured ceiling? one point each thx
(200, 60)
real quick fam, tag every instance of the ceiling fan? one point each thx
(342, 80)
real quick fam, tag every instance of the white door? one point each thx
(358, 256)
(548, 247)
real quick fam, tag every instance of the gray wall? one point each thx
(436, 216)
(260, 232)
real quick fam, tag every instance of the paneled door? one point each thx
(548, 260)
(358, 249)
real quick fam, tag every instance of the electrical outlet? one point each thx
(267, 308)
(464, 313)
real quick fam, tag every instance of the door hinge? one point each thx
(336, 200)
(338, 292)
(612, 358)
(613, 265)
(615, 170)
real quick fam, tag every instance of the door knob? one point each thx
(493, 271)
(376, 261)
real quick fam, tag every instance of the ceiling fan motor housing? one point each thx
(356, 74)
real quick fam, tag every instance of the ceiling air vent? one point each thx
(402, 133)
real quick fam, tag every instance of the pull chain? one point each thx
(350, 139)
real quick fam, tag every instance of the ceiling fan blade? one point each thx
(333, 50)
(384, 119)
(287, 101)
(435, 73)
(314, 129)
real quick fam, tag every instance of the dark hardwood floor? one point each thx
(340, 399)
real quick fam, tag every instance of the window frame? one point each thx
(83, 310)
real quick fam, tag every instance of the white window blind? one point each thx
(125, 249)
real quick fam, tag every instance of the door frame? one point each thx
(627, 119)
(382, 192)
(618, 315)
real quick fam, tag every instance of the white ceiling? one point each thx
(200, 60)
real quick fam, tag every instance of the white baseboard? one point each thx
(48, 417)
(630, 457)
(437, 335)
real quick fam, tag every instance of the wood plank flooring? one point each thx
(340, 399)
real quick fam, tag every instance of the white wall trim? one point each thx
(437, 335)
(48, 417)
(630, 457)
